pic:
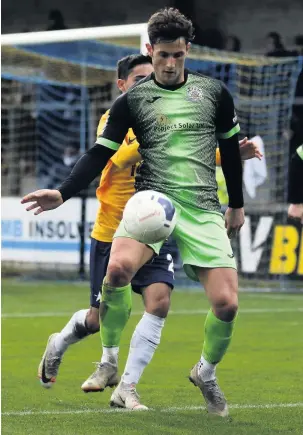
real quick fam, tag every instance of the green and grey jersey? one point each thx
(177, 129)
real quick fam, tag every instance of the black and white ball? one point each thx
(149, 217)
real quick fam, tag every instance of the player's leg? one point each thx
(126, 258)
(115, 308)
(221, 286)
(82, 323)
(147, 335)
(106, 373)
(143, 345)
(208, 258)
(86, 322)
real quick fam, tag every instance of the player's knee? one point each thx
(119, 272)
(226, 307)
(158, 304)
(92, 322)
(228, 312)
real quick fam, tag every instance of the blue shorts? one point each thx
(160, 269)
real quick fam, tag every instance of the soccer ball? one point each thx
(149, 217)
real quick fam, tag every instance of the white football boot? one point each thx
(49, 365)
(214, 397)
(126, 396)
(105, 375)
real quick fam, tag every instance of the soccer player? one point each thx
(154, 281)
(116, 186)
(177, 116)
(295, 186)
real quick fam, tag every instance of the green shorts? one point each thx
(201, 238)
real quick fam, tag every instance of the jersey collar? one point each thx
(172, 87)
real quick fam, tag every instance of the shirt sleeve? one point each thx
(117, 124)
(227, 121)
(102, 123)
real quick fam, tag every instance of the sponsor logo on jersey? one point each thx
(166, 124)
(163, 119)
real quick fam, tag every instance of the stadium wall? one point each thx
(267, 247)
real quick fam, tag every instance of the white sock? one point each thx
(206, 370)
(72, 332)
(144, 342)
(110, 355)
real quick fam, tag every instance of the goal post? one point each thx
(56, 85)
(134, 34)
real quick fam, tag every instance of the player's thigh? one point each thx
(202, 240)
(99, 258)
(221, 286)
(128, 251)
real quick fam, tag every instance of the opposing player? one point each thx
(154, 281)
(295, 186)
(177, 116)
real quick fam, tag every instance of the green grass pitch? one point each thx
(262, 374)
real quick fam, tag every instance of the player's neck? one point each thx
(177, 85)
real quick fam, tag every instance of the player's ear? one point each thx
(188, 45)
(121, 85)
(149, 49)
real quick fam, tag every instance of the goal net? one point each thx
(56, 85)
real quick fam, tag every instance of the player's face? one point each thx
(139, 72)
(168, 61)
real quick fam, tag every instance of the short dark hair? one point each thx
(169, 24)
(128, 63)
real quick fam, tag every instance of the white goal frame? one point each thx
(125, 30)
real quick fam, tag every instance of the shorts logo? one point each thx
(194, 94)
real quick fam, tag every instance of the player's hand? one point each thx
(249, 150)
(295, 211)
(42, 200)
(234, 220)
